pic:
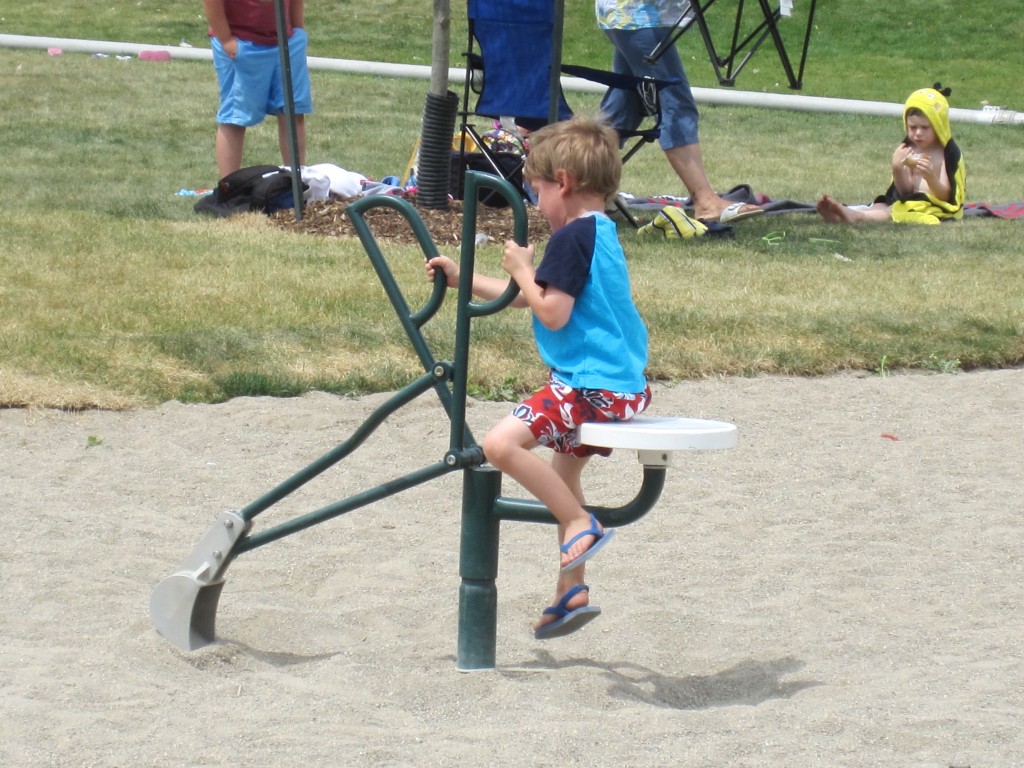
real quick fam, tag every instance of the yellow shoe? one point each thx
(672, 223)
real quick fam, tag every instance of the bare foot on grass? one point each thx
(833, 212)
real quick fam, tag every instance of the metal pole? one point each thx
(555, 91)
(289, 105)
(478, 567)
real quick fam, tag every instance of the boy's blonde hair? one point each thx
(586, 148)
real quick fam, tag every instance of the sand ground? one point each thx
(843, 588)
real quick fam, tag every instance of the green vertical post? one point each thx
(478, 567)
(289, 105)
(481, 486)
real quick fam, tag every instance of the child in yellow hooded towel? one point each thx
(928, 172)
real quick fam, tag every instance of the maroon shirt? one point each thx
(255, 20)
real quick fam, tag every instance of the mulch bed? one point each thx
(328, 218)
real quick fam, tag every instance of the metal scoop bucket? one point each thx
(183, 607)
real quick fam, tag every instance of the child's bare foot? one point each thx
(583, 540)
(570, 612)
(833, 212)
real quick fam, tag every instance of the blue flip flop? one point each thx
(569, 620)
(601, 538)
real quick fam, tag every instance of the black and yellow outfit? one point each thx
(922, 207)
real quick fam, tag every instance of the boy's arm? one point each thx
(298, 13)
(938, 181)
(902, 173)
(487, 288)
(484, 286)
(550, 305)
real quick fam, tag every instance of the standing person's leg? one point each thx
(250, 87)
(688, 163)
(621, 106)
(284, 140)
(229, 147)
(302, 99)
(679, 130)
(233, 111)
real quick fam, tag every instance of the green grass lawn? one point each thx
(871, 49)
(114, 293)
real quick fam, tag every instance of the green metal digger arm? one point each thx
(469, 309)
(411, 321)
(531, 511)
(474, 181)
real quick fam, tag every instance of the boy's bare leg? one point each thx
(570, 469)
(229, 144)
(508, 447)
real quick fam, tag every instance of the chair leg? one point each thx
(624, 210)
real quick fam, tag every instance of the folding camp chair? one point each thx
(725, 64)
(511, 47)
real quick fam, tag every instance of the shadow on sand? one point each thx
(750, 682)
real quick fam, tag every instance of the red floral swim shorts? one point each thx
(555, 412)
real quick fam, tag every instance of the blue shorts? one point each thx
(250, 85)
(678, 108)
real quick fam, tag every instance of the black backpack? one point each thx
(266, 188)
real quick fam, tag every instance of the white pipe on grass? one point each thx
(720, 96)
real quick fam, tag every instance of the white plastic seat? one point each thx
(655, 438)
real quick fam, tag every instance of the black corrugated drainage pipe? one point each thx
(434, 167)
